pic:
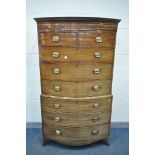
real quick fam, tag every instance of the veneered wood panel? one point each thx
(76, 89)
(74, 54)
(76, 136)
(76, 71)
(72, 105)
(49, 26)
(46, 39)
(87, 38)
(80, 38)
(77, 119)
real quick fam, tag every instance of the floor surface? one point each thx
(119, 145)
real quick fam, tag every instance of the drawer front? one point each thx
(76, 71)
(58, 54)
(58, 88)
(76, 89)
(57, 39)
(98, 38)
(76, 136)
(46, 26)
(81, 106)
(82, 38)
(76, 119)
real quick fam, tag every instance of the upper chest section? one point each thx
(77, 31)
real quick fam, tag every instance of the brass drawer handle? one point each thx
(98, 39)
(95, 119)
(97, 71)
(97, 54)
(57, 88)
(96, 88)
(56, 54)
(57, 106)
(55, 38)
(56, 70)
(96, 105)
(58, 132)
(95, 132)
(57, 119)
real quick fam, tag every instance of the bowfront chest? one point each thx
(76, 69)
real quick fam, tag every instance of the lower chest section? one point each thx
(76, 121)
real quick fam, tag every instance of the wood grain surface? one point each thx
(73, 106)
(77, 119)
(76, 136)
(47, 27)
(76, 89)
(76, 57)
(81, 38)
(76, 71)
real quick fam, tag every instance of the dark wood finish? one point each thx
(76, 68)
(47, 27)
(76, 19)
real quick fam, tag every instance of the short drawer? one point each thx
(76, 136)
(76, 89)
(97, 38)
(47, 26)
(90, 105)
(76, 71)
(76, 119)
(57, 39)
(59, 54)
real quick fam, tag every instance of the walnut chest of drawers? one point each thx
(76, 69)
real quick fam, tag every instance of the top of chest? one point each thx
(76, 23)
